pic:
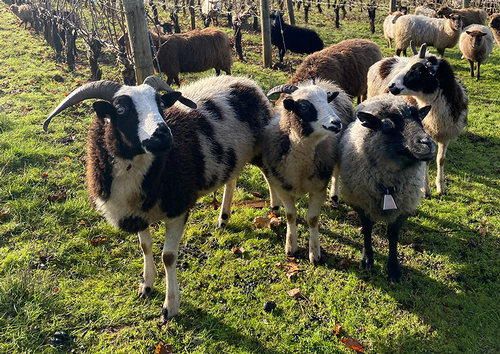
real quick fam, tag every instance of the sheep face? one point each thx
(310, 105)
(137, 113)
(476, 37)
(417, 78)
(455, 22)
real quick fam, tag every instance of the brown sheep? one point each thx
(469, 16)
(346, 63)
(194, 51)
(495, 27)
(24, 12)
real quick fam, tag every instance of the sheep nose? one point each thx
(160, 142)
(394, 90)
(427, 140)
(334, 126)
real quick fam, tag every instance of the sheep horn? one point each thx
(413, 47)
(159, 85)
(286, 88)
(104, 90)
(423, 48)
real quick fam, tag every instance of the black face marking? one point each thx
(386, 67)
(419, 79)
(133, 224)
(307, 113)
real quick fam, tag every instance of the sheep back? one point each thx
(469, 16)
(425, 11)
(345, 63)
(495, 27)
(389, 25)
(296, 39)
(483, 46)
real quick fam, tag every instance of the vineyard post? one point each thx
(289, 5)
(266, 33)
(393, 5)
(138, 35)
(465, 3)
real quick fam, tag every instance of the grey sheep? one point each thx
(390, 25)
(425, 11)
(469, 16)
(345, 63)
(298, 152)
(476, 44)
(437, 32)
(24, 12)
(495, 27)
(382, 156)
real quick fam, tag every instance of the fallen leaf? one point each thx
(4, 214)
(257, 194)
(238, 250)
(482, 231)
(352, 213)
(295, 294)
(353, 343)
(163, 348)
(57, 198)
(261, 221)
(96, 241)
(337, 329)
(259, 204)
(274, 222)
(291, 267)
(44, 177)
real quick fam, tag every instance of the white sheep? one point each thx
(298, 152)
(425, 11)
(437, 32)
(382, 156)
(476, 44)
(390, 25)
(149, 159)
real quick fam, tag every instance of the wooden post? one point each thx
(266, 33)
(291, 16)
(392, 5)
(139, 38)
(465, 4)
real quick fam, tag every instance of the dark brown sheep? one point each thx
(469, 16)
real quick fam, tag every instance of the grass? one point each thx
(63, 291)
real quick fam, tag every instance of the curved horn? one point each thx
(286, 88)
(159, 85)
(104, 90)
(413, 47)
(423, 48)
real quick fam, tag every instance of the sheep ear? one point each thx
(468, 32)
(104, 109)
(170, 98)
(422, 112)
(368, 120)
(288, 104)
(332, 95)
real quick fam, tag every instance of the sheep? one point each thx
(150, 160)
(495, 27)
(211, 9)
(194, 51)
(296, 39)
(389, 25)
(382, 156)
(476, 43)
(298, 148)
(425, 11)
(24, 12)
(469, 16)
(429, 80)
(345, 63)
(440, 33)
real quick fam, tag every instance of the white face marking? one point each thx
(143, 97)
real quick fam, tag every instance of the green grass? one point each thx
(53, 279)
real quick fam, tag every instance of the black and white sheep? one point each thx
(24, 12)
(382, 156)
(149, 159)
(469, 16)
(495, 27)
(345, 63)
(298, 152)
(390, 25)
(429, 80)
(211, 9)
(194, 51)
(476, 44)
(437, 32)
(293, 38)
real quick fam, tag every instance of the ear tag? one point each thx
(389, 203)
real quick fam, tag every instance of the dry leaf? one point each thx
(163, 348)
(259, 204)
(295, 294)
(482, 231)
(96, 241)
(352, 213)
(4, 213)
(57, 198)
(44, 177)
(291, 267)
(261, 221)
(257, 194)
(238, 250)
(353, 343)
(274, 222)
(337, 329)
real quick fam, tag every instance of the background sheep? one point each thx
(298, 152)
(469, 16)
(389, 25)
(145, 164)
(24, 12)
(440, 33)
(425, 11)
(211, 9)
(495, 27)
(381, 156)
(345, 63)
(476, 43)
(296, 39)
(194, 51)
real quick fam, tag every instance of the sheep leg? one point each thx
(477, 71)
(471, 64)
(149, 274)
(334, 189)
(275, 199)
(441, 155)
(217, 72)
(174, 229)
(291, 227)
(316, 200)
(393, 269)
(426, 189)
(227, 199)
(282, 54)
(367, 226)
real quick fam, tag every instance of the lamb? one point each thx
(425, 11)
(476, 43)
(194, 51)
(469, 16)
(438, 32)
(430, 81)
(298, 152)
(24, 12)
(150, 160)
(345, 63)
(382, 156)
(495, 27)
(296, 39)
(389, 25)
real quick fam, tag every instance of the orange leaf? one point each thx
(338, 329)
(163, 348)
(97, 240)
(353, 343)
(257, 194)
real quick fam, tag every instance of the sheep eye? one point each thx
(302, 106)
(387, 125)
(120, 110)
(162, 105)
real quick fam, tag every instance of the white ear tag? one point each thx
(389, 203)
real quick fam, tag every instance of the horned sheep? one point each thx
(389, 26)
(429, 80)
(437, 32)
(24, 12)
(194, 51)
(298, 152)
(149, 159)
(495, 27)
(382, 156)
(476, 44)
(469, 16)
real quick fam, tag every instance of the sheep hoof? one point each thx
(394, 274)
(221, 225)
(143, 291)
(334, 201)
(366, 263)
(164, 319)
(314, 259)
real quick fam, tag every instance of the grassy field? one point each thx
(68, 280)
